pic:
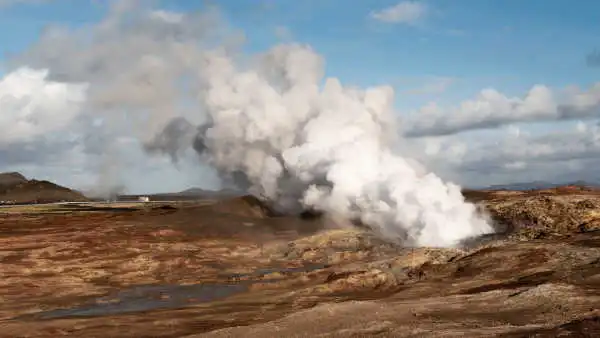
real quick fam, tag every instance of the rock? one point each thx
(245, 206)
(539, 216)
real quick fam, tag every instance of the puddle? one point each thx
(156, 297)
(148, 297)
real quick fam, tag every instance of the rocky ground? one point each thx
(228, 269)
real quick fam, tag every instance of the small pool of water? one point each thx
(142, 298)
(148, 297)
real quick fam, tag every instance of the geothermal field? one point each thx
(231, 267)
(294, 202)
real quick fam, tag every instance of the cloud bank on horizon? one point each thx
(88, 104)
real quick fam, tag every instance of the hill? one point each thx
(11, 179)
(17, 189)
(539, 185)
(208, 193)
(186, 195)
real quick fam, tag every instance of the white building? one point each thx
(144, 199)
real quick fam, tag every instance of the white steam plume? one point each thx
(273, 124)
(329, 149)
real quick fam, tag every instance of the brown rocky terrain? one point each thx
(231, 269)
(16, 189)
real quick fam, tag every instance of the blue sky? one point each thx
(444, 51)
(509, 45)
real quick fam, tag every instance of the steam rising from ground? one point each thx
(270, 124)
(273, 129)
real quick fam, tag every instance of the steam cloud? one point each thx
(270, 124)
(273, 129)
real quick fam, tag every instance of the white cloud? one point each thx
(553, 157)
(407, 12)
(581, 127)
(514, 131)
(512, 154)
(518, 165)
(492, 109)
(167, 16)
(32, 106)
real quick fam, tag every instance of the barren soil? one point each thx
(228, 269)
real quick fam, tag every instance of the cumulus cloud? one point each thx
(33, 106)
(512, 155)
(552, 147)
(407, 12)
(167, 16)
(492, 109)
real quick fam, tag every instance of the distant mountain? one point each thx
(188, 194)
(537, 185)
(17, 189)
(203, 192)
(11, 179)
